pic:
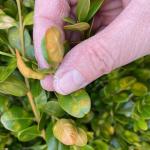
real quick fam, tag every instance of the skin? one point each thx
(123, 35)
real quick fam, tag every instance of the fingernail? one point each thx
(69, 82)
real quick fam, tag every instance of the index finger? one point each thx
(47, 13)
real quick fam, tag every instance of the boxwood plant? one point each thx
(112, 113)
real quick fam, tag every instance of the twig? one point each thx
(29, 94)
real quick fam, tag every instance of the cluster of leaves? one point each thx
(33, 119)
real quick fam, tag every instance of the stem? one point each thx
(11, 50)
(6, 54)
(21, 28)
(29, 94)
(30, 97)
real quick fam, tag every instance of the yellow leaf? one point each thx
(65, 131)
(26, 71)
(54, 45)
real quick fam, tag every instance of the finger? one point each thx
(47, 13)
(124, 40)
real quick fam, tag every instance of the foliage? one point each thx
(112, 113)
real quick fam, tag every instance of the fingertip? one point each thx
(47, 83)
(69, 82)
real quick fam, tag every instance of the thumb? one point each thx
(124, 40)
(47, 13)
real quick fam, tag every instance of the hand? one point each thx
(125, 37)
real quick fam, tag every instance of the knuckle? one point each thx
(100, 57)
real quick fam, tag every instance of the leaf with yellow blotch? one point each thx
(77, 104)
(26, 71)
(52, 46)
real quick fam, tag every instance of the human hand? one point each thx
(125, 37)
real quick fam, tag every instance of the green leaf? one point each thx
(3, 37)
(42, 122)
(82, 26)
(28, 20)
(30, 52)
(14, 38)
(95, 6)
(145, 112)
(28, 3)
(10, 8)
(87, 147)
(6, 22)
(77, 104)
(127, 109)
(83, 7)
(69, 20)
(100, 145)
(3, 103)
(131, 137)
(29, 134)
(63, 147)
(52, 108)
(13, 86)
(142, 73)
(6, 71)
(51, 141)
(140, 124)
(41, 100)
(121, 97)
(16, 119)
(139, 89)
(39, 94)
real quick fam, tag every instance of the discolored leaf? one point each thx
(29, 134)
(126, 82)
(95, 6)
(13, 86)
(52, 108)
(65, 131)
(83, 7)
(16, 119)
(69, 20)
(6, 71)
(139, 89)
(52, 142)
(52, 46)
(6, 21)
(26, 71)
(77, 104)
(82, 26)
(81, 138)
